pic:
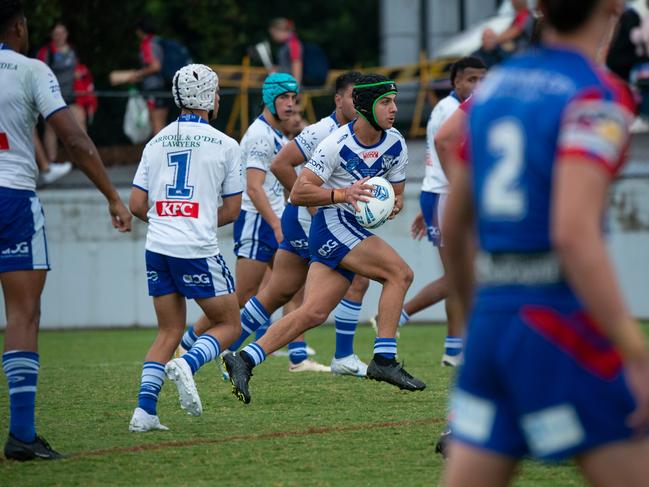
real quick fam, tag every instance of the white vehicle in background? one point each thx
(470, 40)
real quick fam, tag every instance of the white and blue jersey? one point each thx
(339, 161)
(186, 169)
(539, 376)
(434, 187)
(253, 236)
(29, 88)
(296, 221)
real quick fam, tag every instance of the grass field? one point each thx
(300, 429)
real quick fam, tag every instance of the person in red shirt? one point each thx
(521, 29)
(290, 55)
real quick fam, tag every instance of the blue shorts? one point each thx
(192, 278)
(334, 233)
(23, 245)
(296, 223)
(539, 378)
(253, 237)
(432, 207)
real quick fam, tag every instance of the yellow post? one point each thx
(245, 84)
(415, 127)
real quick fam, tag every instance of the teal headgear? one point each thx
(275, 85)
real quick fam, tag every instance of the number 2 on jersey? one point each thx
(503, 198)
(180, 190)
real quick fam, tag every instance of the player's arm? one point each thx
(255, 188)
(230, 209)
(308, 191)
(84, 154)
(399, 188)
(448, 138)
(459, 237)
(138, 203)
(592, 140)
(284, 164)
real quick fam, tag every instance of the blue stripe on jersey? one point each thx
(224, 195)
(140, 187)
(359, 169)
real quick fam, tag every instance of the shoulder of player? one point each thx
(393, 133)
(617, 89)
(337, 137)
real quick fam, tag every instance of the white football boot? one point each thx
(142, 422)
(349, 365)
(308, 365)
(452, 360)
(179, 373)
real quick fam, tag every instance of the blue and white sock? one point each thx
(403, 318)
(206, 349)
(255, 353)
(21, 369)
(189, 338)
(297, 352)
(346, 315)
(385, 347)
(253, 316)
(261, 331)
(153, 376)
(452, 346)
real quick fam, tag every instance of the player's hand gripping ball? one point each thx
(375, 212)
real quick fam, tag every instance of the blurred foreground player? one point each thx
(333, 179)
(185, 170)
(29, 88)
(555, 366)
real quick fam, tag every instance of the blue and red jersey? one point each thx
(528, 113)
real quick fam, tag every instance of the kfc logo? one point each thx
(188, 209)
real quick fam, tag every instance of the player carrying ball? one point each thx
(334, 179)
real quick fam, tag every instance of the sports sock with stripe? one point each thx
(153, 377)
(206, 349)
(21, 369)
(253, 316)
(346, 317)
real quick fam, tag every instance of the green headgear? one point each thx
(368, 91)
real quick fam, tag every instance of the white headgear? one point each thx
(194, 86)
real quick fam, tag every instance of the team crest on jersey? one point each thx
(386, 162)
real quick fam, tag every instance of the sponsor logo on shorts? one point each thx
(328, 247)
(299, 244)
(196, 279)
(152, 276)
(187, 209)
(553, 429)
(19, 250)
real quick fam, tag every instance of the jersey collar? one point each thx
(263, 119)
(351, 130)
(335, 119)
(4, 47)
(191, 117)
(454, 95)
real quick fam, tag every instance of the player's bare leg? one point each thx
(391, 271)
(467, 465)
(22, 294)
(224, 318)
(602, 465)
(323, 290)
(455, 327)
(170, 310)
(249, 276)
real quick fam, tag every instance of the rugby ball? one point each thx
(375, 212)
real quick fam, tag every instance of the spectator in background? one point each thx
(59, 55)
(490, 52)
(290, 56)
(622, 54)
(150, 75)
(520, 32)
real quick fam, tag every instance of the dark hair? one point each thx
(9, 10)
(466, 62)
(567, 16)
(345, 80)
(146, 25)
